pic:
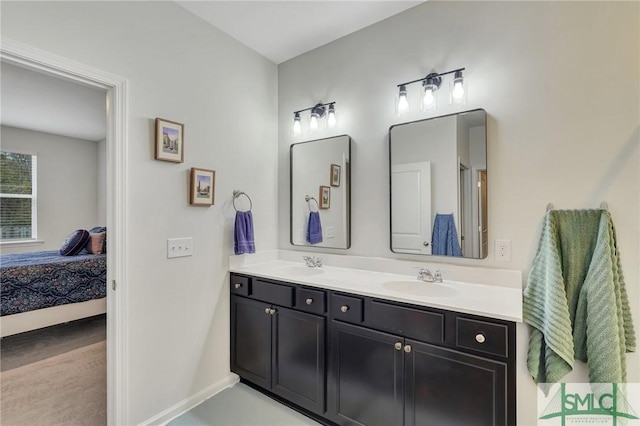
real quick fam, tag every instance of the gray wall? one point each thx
(552, 137)
(182, 69)
(68, 182)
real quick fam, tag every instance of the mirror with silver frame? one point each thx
(320, 193)
(438, 178)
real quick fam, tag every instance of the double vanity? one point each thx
(374, 347)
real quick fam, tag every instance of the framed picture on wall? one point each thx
(335, 175)
(325, 197)
(169, 141)
(202, 187)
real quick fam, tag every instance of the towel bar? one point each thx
(603, 206)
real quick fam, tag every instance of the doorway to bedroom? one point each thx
(53, 234)
(94, 329)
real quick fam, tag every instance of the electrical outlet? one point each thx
(179, 247)
(502, 250)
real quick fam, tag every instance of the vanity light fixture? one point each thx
(430, 85)
(317, 113)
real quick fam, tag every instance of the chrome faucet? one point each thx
(425, 275)
(312, 261)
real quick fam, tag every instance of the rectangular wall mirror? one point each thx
(321, 193)
(438, 191)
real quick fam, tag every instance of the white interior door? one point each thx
(411, 208)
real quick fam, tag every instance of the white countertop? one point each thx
(493, 301)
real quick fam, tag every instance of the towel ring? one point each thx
(236, 194)
(307, 198)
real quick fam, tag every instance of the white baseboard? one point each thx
(185, 405)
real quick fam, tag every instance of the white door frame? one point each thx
(18, 53)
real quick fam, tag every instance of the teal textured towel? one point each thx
(575, 300)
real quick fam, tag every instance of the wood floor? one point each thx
(26, 348)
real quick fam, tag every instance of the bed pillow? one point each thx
(75, 242)
(96, 241)
(98, 229)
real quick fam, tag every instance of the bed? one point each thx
(44, 288)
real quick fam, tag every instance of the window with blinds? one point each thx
(17, 196)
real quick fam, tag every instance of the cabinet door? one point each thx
(366, 379)
(449, 388)
(251, 340)
(299, 358)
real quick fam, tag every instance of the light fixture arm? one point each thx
(317, 108)
(433, 76)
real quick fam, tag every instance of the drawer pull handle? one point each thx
(407, 348)
(344, 308)
(237, 285)
(309, 301)
(480, 338)
(398, 346)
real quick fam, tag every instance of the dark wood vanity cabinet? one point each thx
(387, 363)
(278, 348)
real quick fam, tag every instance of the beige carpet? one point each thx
(68, 389)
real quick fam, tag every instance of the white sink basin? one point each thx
(299, 270)
(421, 288)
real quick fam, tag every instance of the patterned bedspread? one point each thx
(30, 281)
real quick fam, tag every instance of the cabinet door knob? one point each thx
(267, 310)
(309, 301)
(407, 348)
(237, 285)
(344, 308)
(480, 338)
(272, 311)
(398, 346)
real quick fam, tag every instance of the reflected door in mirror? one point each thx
(438, 186)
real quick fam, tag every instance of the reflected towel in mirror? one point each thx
(243, 239)
(444, 239)
(314, 230)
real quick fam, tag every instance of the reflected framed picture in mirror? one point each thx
(313, 174)
(325, 197)
(335, 175)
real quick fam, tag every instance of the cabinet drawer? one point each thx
(482, 336)
(415, 323)
(277, 294)
(311, 300)
(240, 285)
(346, 308)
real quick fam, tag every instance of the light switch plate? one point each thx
(179, 247)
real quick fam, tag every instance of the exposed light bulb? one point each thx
(313, 123)
(428, 99)
(403, 102)
(457, 90)
(297, 128)
(331, 118)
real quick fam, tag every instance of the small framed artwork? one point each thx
(325, 197)
(335, 175)
(202, 187)
(169, 141)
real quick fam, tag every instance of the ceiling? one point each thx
(281, 30)
(35, 101)
(278, 30)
